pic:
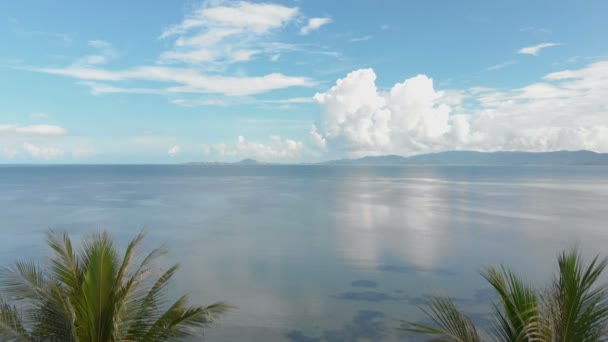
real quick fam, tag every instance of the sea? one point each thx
(319, 252)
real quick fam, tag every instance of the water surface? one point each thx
(319, 253)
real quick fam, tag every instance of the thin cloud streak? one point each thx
(535, 50)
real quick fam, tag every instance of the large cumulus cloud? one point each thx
(565, 110)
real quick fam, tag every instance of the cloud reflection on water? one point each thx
(398, 217)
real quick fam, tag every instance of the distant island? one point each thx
(242, 162)
(464, 158)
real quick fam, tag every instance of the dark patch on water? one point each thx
(364, 283)
(484, 296)
(365, 325)
(396, 269)
(418, 300)
(408, 270)
(367, 296)
(298, 336)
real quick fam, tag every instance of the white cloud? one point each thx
(244, 100)
(222, 32)
(535, 50)
(204, 45)
(32, 130)
(259, 18)
(191, 57)
(356, 117)
(184, 80)
(275, 149)
(174, 151)
(317, 139)
(501, 65)
(41, 152)
(243, 55)
(567, 110)
(385, 27)
(361, 39)
(314, 24)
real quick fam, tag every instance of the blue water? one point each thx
(319, 253)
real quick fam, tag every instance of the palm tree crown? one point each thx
(94, 295)
(573, 309)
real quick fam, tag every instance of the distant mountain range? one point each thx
(461, 158)
(483, 158)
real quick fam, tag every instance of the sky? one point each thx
(298, 80)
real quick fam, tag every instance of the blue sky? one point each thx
(291, 81)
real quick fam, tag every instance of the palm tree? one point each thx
(93, 295)
(573, 308)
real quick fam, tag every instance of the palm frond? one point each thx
(578, 301)
(65, 266)
(148, 308)
(451, 323)
(180, 322)
(100, 267)
(95, 295)
(517, 316)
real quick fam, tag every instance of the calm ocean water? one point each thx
(319, 253)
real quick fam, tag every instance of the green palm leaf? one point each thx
(517, 316)
(575, 309)
(96, 295)
(577, 304)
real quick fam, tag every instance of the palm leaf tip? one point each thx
(448, 320)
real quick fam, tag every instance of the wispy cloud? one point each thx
(224, 32)
(181, 80)
(314, 24)
(244, 100)
(361, 39)
(291, 100)
(501, 65)
(535, 29)
(105, 52)
(42, 152)
(535, 50)
(311, 49)
(32, 130)
(243, 15)
(276, 148)
(204, 46)
(97, 88)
